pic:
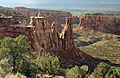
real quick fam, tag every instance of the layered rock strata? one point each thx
(100, 22)
(46, 38)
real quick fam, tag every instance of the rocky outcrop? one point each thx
(9, 27)
(75, 19)
(100, 22)
(11, 31)
(67, 35)
(8, 21)
(46, 38)
(39, 34)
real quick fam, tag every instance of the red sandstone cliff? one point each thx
(100, 22)
(46, 38)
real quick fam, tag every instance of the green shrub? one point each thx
(14, 49)
(113, 73)
(17, 75)
(5, 67)
(48, 64)
(77, 72)
(27, 68)
(16, 57)
(100, 71)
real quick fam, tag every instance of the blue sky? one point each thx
(62, 4)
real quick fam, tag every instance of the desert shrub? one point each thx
(82, 43)
(77, 72)
(5, 67)
(15, 57)
(14, 49)
(27, 68)
(113, 73)
(100, 71)
(17, 75)
(48, 64)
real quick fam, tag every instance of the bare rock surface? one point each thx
(46, 38)
(109, 23)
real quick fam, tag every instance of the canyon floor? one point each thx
(105, 46)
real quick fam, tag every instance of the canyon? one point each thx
(45, 37)
(43, 28)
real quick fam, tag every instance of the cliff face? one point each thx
(39, 34)
(67, 35)
(46, 38)
(8, 28)
(7, 21)
(100, 22)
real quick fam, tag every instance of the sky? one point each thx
(62, 4)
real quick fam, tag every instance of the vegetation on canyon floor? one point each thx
(18, 61)
(99, 45)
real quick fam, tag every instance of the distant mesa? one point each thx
(108, 23)
(21, 8)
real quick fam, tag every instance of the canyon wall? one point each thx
(109, 23)
(9, 27)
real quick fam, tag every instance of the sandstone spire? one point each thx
(47, 38)
(67, 35)
(40, 34)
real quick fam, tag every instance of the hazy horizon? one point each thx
(63, 4)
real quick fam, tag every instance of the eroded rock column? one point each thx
(40, 34)
(46, 38)
(67, 35)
